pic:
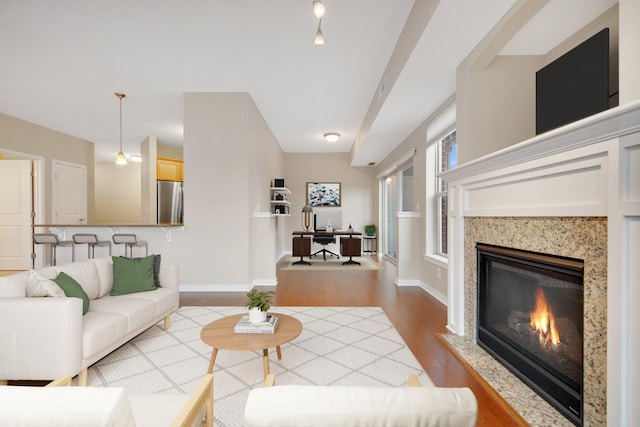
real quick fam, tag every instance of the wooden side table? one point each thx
(370, 244)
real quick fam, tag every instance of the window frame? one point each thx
(442, 190)
(433, 224)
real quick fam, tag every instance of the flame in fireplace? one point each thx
(544, 321)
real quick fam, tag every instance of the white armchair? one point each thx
(56, 404)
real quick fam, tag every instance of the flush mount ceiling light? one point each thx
(318, 11)
(121, 159)
(331, 136)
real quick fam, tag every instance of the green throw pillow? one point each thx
(156, 268)
(132, 275)
(73, 289)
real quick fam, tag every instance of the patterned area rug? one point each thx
(317, 263)
(338, 346)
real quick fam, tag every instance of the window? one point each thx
(445, 160)
(440, 157)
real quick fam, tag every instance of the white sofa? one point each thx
(42, 338)
(321, 406)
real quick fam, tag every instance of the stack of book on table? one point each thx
(244, 326)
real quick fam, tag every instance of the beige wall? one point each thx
(266, 162)
(127, 194)
(224, 135)
(117, 193)
(496, 107)
(169, 151)
(629, 51)
(24, 137)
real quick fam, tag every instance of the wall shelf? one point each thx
(279, 204)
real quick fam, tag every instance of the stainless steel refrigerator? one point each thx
(170, 202)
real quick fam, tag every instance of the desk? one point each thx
(299, 243)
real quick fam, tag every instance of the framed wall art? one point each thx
(323, 194)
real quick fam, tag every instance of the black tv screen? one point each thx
(574, 86)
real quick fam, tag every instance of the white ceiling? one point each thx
(61, 63)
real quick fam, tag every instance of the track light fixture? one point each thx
(318, 11)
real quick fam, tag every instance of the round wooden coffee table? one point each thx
(219, 335)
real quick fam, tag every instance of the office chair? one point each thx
(324, 241)
(52, 239)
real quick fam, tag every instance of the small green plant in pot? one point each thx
(259, 303)
(370, 229)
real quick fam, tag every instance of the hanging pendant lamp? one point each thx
(318, 11)
(121, 159)
(319, 38)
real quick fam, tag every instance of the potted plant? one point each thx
(370, 229)
(259, 303)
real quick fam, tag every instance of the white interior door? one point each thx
(15, 215)
(69, 198)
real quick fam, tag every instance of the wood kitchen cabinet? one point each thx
(169, 169)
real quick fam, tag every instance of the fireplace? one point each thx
(530, 318)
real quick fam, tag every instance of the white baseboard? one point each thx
(404, 282)
(264, 282)
(228, 288)
(427, 288)
(215, 288)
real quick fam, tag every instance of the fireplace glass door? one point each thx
(530, 318)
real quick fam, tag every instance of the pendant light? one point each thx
(319, 39)
(121, 159)
(318, 11)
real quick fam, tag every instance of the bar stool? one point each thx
(52, 239)
(91, 240)
(129, 241)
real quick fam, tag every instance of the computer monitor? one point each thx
(327, 216)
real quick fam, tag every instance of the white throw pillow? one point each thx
(38, 286)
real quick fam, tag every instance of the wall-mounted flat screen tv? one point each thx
(574, 86)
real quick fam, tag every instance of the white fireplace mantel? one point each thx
(590, 168)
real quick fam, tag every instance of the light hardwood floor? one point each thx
(417, 316)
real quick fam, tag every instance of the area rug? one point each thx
(317, 263)
(338, 346)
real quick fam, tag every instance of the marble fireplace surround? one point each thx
(574, 237)
(574, 191)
